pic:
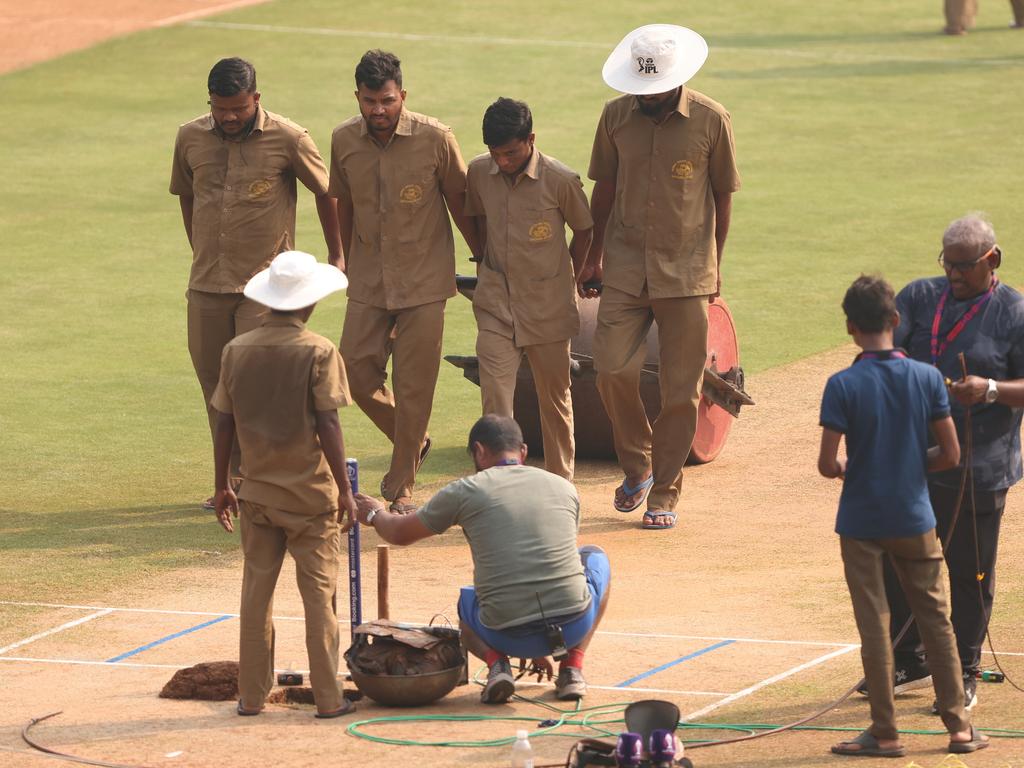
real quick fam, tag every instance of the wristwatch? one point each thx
(370, 515)
(993, 391)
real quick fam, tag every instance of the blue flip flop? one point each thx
(650, 514)
(628, 491)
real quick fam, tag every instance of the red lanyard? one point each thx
(965, 318)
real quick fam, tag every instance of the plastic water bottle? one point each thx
(522, 752)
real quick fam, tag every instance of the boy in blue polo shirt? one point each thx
(885, 404)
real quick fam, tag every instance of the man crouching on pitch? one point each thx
(886, 404)
(534, 593)
(280, 388)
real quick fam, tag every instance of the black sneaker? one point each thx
(500, 683)
(905, 679)
(970, 694)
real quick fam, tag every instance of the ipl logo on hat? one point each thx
(647, 66)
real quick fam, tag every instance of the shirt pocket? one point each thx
(415, 196)
(540, 243)
(261, 183)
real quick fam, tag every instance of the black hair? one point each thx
(505, 120)
(869, 304)
(230, 77)
(376, 68)
(498, 434)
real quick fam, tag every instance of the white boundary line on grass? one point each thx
(764, 683)
(190, 15)
(55, 630)
(829, 56)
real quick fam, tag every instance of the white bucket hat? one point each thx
(294, 280)
(655, 58)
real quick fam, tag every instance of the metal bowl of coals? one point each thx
(407, 690)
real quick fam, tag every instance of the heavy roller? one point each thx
(721, 399)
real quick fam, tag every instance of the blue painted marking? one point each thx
(680, 660)
(162, 640)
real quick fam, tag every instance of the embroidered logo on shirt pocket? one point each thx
(411, 193)
(540, 232)
(682, 169)
(260, 188)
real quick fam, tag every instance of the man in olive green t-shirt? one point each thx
(521, 524)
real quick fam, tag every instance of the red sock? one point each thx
(492, 656)
(574, 659)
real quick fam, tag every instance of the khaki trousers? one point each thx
(619, 350)
(313, 542)
(499, 359)
(960, 14)
(917, 561)
(412, 338)
(214, 319)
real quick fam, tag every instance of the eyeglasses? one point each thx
(963, 266)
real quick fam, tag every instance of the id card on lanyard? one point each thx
(937, 347)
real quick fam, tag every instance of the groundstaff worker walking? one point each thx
(525, 298)
(534, 593)
(396, 175)
(885, 404)
(234, 172)
(280, 389)
(664, 168)
(966, 311)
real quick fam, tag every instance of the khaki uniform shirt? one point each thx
(402, 252)
(244, 209)
(521, 525)
(661, 230)
(526, 289)
(273, 380)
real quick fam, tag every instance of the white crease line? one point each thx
(774, 679)
(189, 15)
(55, 630)
(146, 610)
(830, 56)
(32, 660)
(617, 689)
(733, 639)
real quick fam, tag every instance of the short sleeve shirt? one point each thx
(661, 231)
(521, 524)
(884, 408)
(244, 193)
(993, 345)
(526, 289)
(402, 252)
(273, 380)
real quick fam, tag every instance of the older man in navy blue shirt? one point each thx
(967, 311)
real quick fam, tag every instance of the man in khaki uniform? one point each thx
(664, 166)
(234, 172)
(960, 15)
(525, 299)
(396, 174)
(280, 389)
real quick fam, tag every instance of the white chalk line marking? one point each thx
(190, 15)
(55, 630)
(766, 682)
(831, 56)
(733, 639)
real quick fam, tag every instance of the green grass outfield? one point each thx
(860, 131)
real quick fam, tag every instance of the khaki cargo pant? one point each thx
(214, 319)
(499, 360)
(960, 14)
(619, 350)
(412, 339)
(917, 561)
(313, 543)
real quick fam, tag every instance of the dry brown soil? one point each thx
(753, 559)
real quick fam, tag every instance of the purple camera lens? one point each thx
(662, 746)
(629, 751)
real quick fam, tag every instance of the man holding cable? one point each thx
(970, 312)
(534, 593)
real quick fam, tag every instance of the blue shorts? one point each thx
(527, 641)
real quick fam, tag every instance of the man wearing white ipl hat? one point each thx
(664, 168)
(280, 389)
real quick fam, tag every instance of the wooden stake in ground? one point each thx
(383, 608)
